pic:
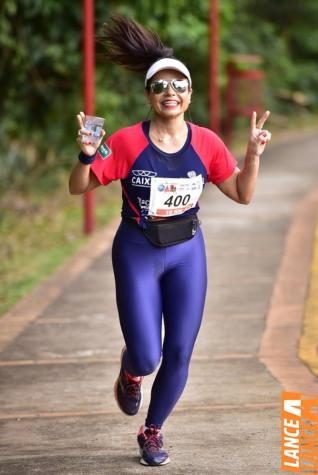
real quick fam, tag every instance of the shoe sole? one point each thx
(143, 461)
(116, 386)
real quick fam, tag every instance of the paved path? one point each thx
(60, 346)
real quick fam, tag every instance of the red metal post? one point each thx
(214, 104)
(89, 96)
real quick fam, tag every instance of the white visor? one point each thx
(167, 63)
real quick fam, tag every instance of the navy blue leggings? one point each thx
(154, 282)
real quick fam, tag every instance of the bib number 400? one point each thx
(178, 200)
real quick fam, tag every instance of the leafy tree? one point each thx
(40, 67)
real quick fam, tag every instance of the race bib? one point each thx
(172, 196)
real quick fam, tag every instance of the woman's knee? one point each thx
(177, 358)
(144, 363)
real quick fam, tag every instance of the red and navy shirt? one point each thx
(134, 159)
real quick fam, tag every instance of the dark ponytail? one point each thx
(129, 44)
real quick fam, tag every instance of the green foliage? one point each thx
(42, 229)
(41, 79)
(39, 70)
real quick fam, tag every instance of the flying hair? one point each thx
(131, 45)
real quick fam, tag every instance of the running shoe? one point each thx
(150, 443)
(128, 390)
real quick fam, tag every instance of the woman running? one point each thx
(158, 251)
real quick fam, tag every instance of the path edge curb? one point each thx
(284, 320)
(30, 307)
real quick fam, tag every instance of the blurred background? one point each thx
(41, 93)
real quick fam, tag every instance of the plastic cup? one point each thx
(94, 125)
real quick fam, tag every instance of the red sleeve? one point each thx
(217, 159)
(117, 154)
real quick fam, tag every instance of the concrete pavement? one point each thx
(60, 346)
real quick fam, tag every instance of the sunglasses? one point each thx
(161, 85)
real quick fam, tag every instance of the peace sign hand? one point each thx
(258, 137)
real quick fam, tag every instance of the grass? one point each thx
(307, 348)
(42, 230)
(42, 227)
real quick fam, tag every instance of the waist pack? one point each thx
(166, 232)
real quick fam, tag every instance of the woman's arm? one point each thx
(82, 178)
(241, 184)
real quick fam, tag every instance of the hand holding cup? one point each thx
(87, 138)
